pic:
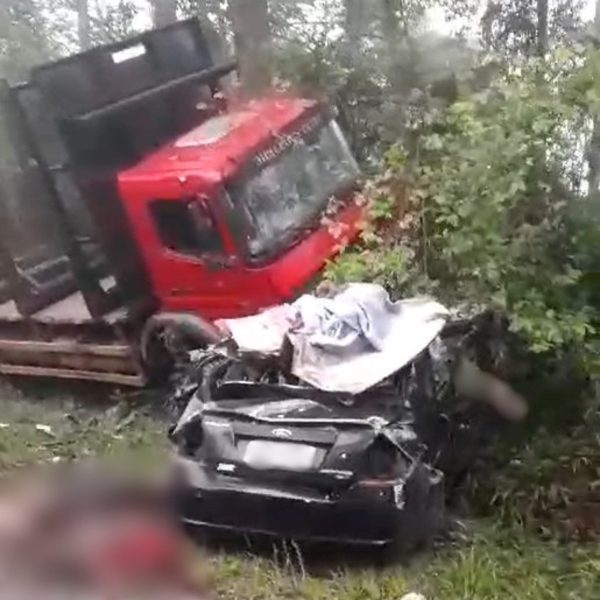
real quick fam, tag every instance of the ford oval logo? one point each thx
(282, 433)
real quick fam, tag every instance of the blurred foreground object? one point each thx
(83, 532)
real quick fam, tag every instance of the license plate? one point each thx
(260, 454)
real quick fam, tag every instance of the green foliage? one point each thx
(389, 269)
(380, 98)
(511, 26)
(320, 69)
(494, 204)
(552, 486)
(25, 36)
(112, 23)
(37, 31)
(497, 217)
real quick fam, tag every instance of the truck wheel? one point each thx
(167, 338)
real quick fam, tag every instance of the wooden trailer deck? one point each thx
(68, 354)
(71, 310)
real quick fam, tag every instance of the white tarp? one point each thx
(262, 333)
(348, 343)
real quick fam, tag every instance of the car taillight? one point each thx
(376, 484)
(383, 464)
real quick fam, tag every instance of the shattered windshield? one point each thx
(287, 195)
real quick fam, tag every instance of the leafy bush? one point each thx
(482, 211)
(552, 485)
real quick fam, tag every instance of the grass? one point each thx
(42, 428)
(496, 563)
(552, 483)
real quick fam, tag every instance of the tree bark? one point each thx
(390, 24)
(164, 12)
(83, 24)
(354, 23)
(594, 148)
(250, 20)
(397, 38)
(542, 28)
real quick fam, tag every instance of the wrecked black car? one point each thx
(282, 460)
(260, 451)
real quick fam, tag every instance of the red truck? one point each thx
(136, 206)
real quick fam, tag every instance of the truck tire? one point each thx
(166, 338)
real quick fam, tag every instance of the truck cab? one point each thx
(137, 201)
(229, 216)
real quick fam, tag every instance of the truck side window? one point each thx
(186, 227)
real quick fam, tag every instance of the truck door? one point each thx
(194, 267)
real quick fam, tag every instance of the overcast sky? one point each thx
(436, 16)
(439, 22)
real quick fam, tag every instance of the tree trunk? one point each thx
(396, 35)
(250, 20)
(164, 12)
(594, 149)
(390, 24)
(83, 24)
(542, 27)
(354, 23)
